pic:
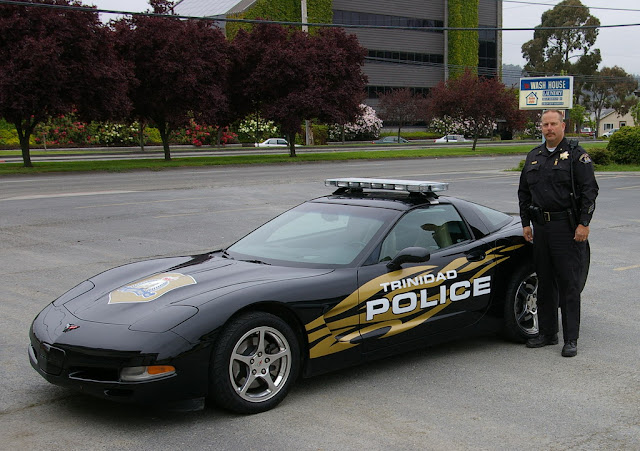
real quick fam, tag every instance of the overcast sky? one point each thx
(617, 45)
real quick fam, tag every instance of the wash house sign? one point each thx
(546, 93)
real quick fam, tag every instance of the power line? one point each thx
(298, 24)
(602, 8)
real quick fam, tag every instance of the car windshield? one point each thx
(314, 233)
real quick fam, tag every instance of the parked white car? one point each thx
(608, 133)
(273, 142)
(451, 139)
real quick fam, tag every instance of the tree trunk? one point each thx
(24, 133)
(291, 138)
(164, 135)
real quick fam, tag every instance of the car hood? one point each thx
(129, 293)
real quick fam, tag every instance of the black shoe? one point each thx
(542, 340)
(570, 348)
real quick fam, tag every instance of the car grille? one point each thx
(50, 359)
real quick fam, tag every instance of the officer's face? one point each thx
(552, 128)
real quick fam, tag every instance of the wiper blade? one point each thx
(260, 262)
(225, 254)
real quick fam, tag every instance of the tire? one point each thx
(255, 363)
(520, 306)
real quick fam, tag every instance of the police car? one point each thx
(377, 267)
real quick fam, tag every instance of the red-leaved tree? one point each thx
(55, 61)
(475, 104)
(180, 69)
(402, 107)
(288, 76)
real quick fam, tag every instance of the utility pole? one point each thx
(305, 28)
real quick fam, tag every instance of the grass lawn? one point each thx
(177, 161)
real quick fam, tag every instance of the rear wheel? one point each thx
(521, 306)
(256, 361)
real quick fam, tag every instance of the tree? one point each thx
(552, 48)
(287, 76)
(56, 61)
(578, 115)
(635, 113)
(475, 103)
(180, 69)
(613, 88)
(401, 107)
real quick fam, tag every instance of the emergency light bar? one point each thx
(413, 186)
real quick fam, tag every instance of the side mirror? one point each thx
(409, 255)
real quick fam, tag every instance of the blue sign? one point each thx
(541, 93)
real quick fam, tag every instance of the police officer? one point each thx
(561, 228)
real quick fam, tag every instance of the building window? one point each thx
(487, 52)
(608, 127)
(385, 56)
(341, 17)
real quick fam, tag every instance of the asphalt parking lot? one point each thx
(480, 393)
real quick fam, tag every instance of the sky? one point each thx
(617, 45)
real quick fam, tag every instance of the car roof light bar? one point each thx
(412, 186)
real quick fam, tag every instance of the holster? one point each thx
(536, 214)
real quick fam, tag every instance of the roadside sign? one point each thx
(545, 93)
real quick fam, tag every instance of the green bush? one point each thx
(320, 134)
(624, 145)
(600, 156)
(153, 136)
(9, 138)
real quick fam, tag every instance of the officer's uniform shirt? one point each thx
(545, 181)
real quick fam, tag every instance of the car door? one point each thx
(449, 291)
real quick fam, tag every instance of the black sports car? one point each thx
(378, 267)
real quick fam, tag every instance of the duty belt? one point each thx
(549, 216)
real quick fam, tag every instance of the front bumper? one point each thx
(89, 359)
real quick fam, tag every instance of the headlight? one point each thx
(145, 373)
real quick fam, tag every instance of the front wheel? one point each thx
(521, 306)
(256, 360)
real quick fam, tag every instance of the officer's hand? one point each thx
(582, 233)
(527, 232)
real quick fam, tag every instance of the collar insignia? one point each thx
(534, 162)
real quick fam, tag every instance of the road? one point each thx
(482, 393)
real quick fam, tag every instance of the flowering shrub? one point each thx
(202, 135)
(111, 134)
(252, 130)
(66, 130)
(367, 126)
(62, 130)
(446, 126)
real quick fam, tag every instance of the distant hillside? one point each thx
(511, 74)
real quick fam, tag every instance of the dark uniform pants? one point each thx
(558, 261)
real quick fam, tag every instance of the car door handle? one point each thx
(476, 256)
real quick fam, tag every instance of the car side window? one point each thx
(433, 228)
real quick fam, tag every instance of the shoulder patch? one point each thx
(585, 158)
